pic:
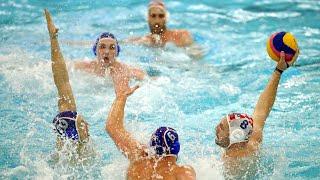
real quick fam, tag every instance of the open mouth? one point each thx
(106, 59)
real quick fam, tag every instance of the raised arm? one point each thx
(115, 127)
(66, 100)
(266, 100)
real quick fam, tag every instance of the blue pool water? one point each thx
(189, 95)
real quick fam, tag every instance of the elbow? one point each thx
(108, 127)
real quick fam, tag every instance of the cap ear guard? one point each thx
(237, 135)
(171, 141)
(65, 124)
(118, 49)
(165, 141)
(240, 127)
(174, 148)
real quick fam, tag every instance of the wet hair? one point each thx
(157, 3)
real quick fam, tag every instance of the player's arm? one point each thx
(129, 146)
(185, 38)
(192, 49)
(66, 100)
(266, 101)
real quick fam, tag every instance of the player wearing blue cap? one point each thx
(106, 48)
(68, 124)
(157, 162)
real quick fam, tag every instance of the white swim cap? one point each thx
(240, 127)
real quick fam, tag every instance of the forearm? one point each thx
(115, 120)
(61, 78)
(268, 96)
(195, 51)
(59, 69)
(115, 128)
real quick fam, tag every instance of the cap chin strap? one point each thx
(76, 120)
(235, 136)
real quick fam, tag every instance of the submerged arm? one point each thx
(82, 43)
(192, 49)
(59, 69)
(195, 51)
(144, 40)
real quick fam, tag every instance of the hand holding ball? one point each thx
(283, 41)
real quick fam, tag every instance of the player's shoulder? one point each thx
(180, 32)
(185, 172)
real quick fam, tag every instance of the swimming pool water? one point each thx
(189, 95)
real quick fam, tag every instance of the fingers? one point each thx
(282, 56)
(295, 57)
(48, 16)
(51, 28)
(282, 64)
(132, 90)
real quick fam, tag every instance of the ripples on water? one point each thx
(189, 95)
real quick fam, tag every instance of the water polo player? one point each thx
(68, 124)
(106, 48)
(159, 159)
(160, 35)
(241, 135)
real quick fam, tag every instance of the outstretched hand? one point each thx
(53, 31)
(125, 92)
(283, 64)
(121, 86)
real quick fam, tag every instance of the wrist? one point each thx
(278, 71)
(121, 97)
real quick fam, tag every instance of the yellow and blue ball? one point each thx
(282, 41)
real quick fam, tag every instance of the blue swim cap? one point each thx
(105, 35)
(65, 125)
(165, 141)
